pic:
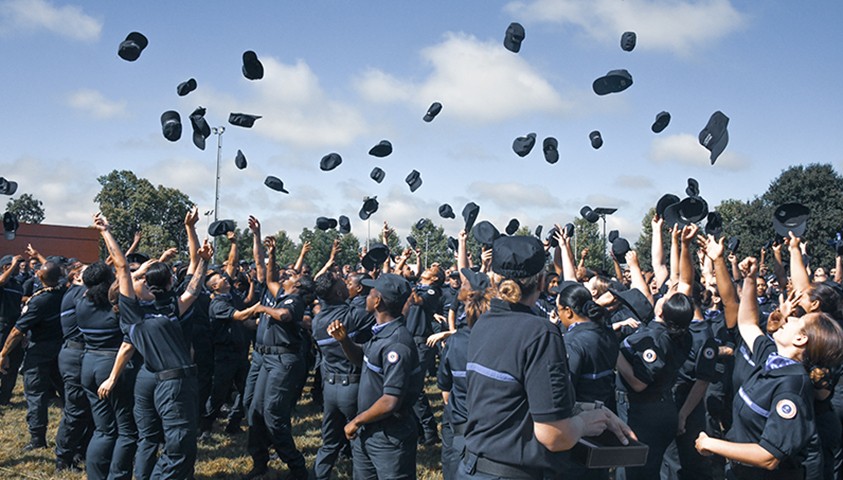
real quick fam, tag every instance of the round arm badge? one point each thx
(708, 353)
(392, 356)
(649, 355)
(786, 409)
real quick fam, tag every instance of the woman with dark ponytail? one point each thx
(108, 377)
(592, 352)
(773, 428)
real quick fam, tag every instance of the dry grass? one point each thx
(225, 458)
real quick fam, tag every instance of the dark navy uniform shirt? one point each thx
(390, 367)
(286, 333)
(592, 355)
(449, 296)
(655, 360)
(701, 362)
(200, 334)
(11, 294)
(41, 320)
(452, 375)
(774, 407)
(333, 357)
(158, 333)
(420, 316)
(69, 321)
(228, 334)
(517, 374)
(31, 286)
(100, 326)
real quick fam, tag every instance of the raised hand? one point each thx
(254, 226)
(190, 218)
(749, 267)
(100, 222)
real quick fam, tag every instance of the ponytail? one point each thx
(578, 298)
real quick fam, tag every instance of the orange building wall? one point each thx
(79, 242)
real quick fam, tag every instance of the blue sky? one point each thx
(341, 76)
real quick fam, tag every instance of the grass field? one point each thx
(224, 458)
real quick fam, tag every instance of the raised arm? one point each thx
(135, 242)
(778, 267)
(637, 278)
(35, 254)
(657, 252)
(462, 252)
(10, 272)
(798, 274)
(124, 277)
(272, 283)
(332, 259)
(305, 247)
(194, 288)
(257, 250)
(190, 219)
(748, 311)
(675, 245)
(564, 250)
(233, 254)
(726, 288)
(686, 264)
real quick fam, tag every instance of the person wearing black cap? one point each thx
(11, 293)
(76, 423)
(648, 364)
(475, 295)
(340, 377)
(384, 432)
(157, 324)
(521, 408)
(773, 416)
(592, 353)
(281, 373)
(39, 321)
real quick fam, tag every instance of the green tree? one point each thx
(588, 235)
(433, 244)
(27, 208)
(131, 203)
(286, 250)
(321, 243)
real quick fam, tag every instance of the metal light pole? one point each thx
(218, 131)
(603, 211)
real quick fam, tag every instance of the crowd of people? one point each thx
(720, 367)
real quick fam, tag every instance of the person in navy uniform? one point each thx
(340, 377)
(773, 418)
(592, 353)
(40, 320)
(155, 325)
(520, 401)
(108, 378)
(384, 432)
(11, 294)
(282, 370)
(231, 351)
(76, 423)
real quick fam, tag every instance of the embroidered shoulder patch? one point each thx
(649, 355)
(708, 353)
(392, 357)
(431, 292)
(786, 409)
(24, 309)
(288, 301)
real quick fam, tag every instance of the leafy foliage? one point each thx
(588, 235)
(27, 208)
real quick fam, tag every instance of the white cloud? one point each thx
(634, 182)
(685, 149)
(682, 27)
(474, 81)
(513, 195)
(94, 103)
(33, 15)
(295, 108)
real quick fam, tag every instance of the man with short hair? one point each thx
(384, 431)
(41, 320)
(11, 293)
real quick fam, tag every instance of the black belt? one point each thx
(498, 469)
(342, 379)
(272, 350)
(74, 345)
(459, 429)
(742, 471)
(107, 353)
(174, 373)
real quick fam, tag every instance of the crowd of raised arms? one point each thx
(721, 369)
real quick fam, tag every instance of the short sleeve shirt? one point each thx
(390, 367)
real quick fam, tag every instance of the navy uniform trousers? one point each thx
(453, 444)
(112, 448)
(339, 406)
(231, 368)
(41, 379)
(424, 414)
(8, 380)
(76, 424)
(375, 453)
(165, 413)
(271, 408)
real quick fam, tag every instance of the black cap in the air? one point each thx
(201, 129)
(382, 149)
(551, 150)
(244, 120)
(377, 174)
(596, 139)
(661, 122)
(171, 125)
(445, 211)
(252, 67)
(324, 223)
(513, 38)
(432, 112)
(715, 136)
(370, 206)
(512, 226)
(414, 180)
(615, 81)
(667, 200)
(131, 48)
(275, 183)
(330, 162)
(221, 227)
(469, 214)
(240, 160)
(8, 187)
(693, 188)
(186, 87)
(628, 40)
(345, 225)
(523, 145)
(485, 233)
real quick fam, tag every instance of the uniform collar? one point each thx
(763, 300)
(776, 361)
(388, 327)
(711, 314)
(499, 304)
